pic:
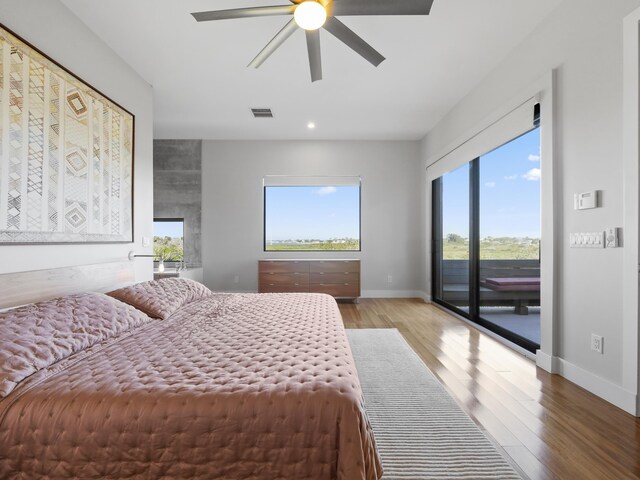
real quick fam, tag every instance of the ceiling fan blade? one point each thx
(343, 33)
(381, 7)
(315, 59)
(275, 42)
(244, 13)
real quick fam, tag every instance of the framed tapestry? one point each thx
(66, 154)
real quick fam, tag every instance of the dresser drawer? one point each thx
(268, 288)
(284, 279)
(267, 266)
(337, 290)
(335, 266)
(339, 278)
(342, 277)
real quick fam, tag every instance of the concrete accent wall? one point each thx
(177, 189)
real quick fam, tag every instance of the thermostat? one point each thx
(585, 200)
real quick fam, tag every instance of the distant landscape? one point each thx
(168, 248)
(349, 244)
(456, 247)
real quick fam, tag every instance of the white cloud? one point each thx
(326, 191)
(532, 175)
(511, 177)
(490, 184)
(534, 158)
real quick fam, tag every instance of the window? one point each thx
(322, 216)
(168, 239)
(510, 200)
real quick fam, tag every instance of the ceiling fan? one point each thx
(311, 15)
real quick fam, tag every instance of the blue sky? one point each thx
(168, 229)
(312, 212)
(509, 192)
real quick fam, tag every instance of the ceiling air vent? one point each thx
(262, 112)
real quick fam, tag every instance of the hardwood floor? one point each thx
(550, 427)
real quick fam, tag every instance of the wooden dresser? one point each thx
(340, 278)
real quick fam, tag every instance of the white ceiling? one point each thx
(202, 88)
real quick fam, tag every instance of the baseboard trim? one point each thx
(426, 297)
(603, 388)
(546, 362)
(611, 392)
(395, 294)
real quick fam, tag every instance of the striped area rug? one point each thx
(421, 432)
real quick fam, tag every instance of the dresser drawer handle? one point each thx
(272, 284)
(296, 284)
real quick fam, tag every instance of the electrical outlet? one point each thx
(597, 343)
(236, 279)
(389, 279)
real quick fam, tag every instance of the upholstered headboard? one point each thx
(37, 285)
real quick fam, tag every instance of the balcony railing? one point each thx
(502, 283)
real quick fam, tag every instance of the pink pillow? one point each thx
(36, 336)
(161, 298)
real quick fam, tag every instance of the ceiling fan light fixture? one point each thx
(310, 15)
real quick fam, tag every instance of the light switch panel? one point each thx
(587, 240)
(146, 242)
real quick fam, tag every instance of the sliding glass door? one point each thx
(486, 240)
(509, 223)
(452, 241)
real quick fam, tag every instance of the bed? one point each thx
(167, 380)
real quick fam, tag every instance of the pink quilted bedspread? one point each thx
(229, 387)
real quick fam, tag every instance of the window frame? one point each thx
(264, 219)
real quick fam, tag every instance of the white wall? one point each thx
(232, 208)
(49, 26)
(583, 40)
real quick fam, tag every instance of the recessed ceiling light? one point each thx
(311, 125)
